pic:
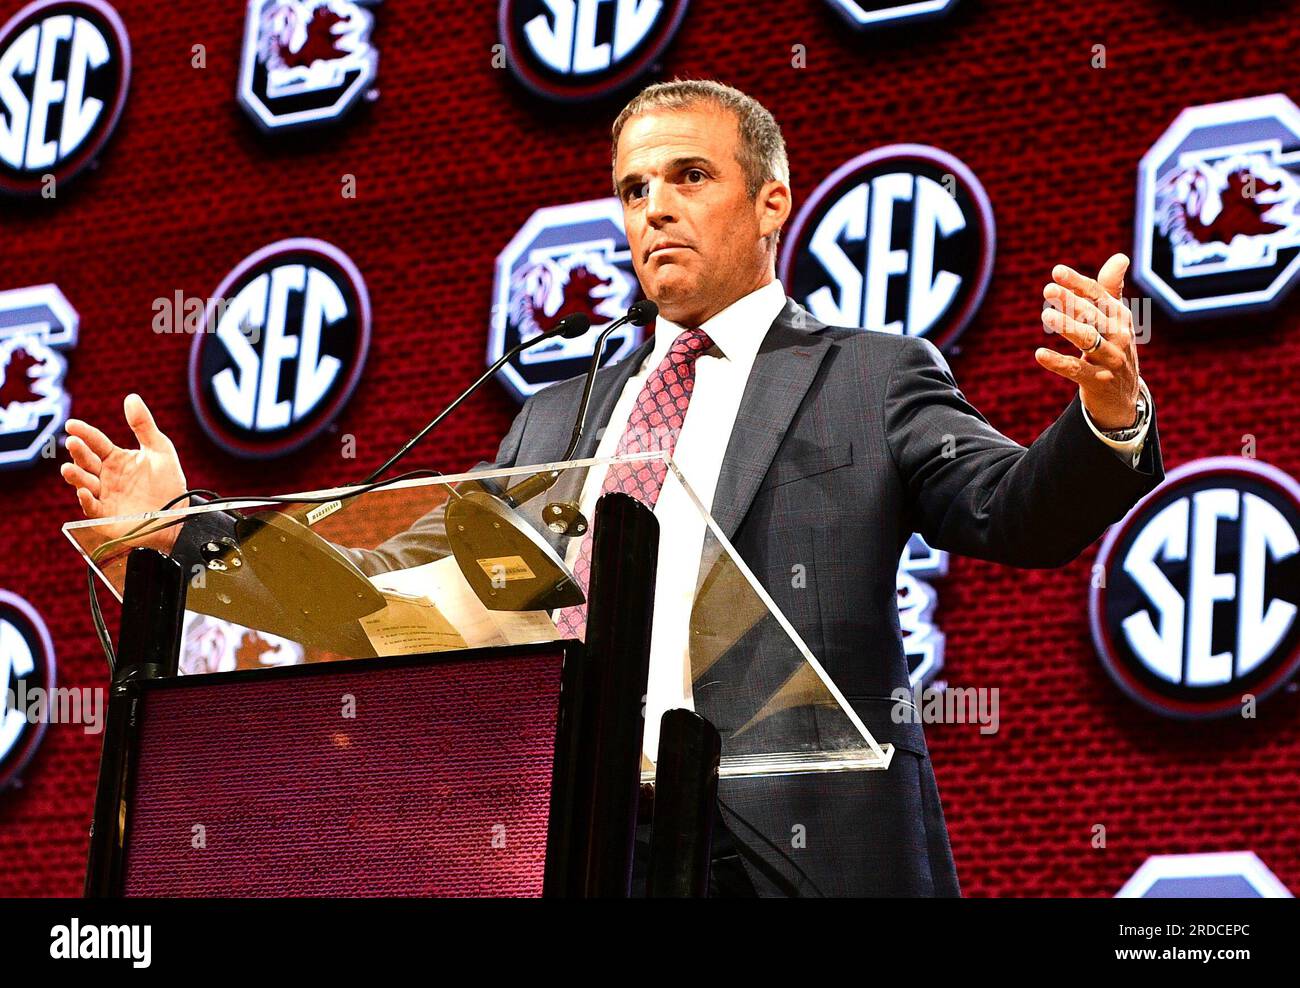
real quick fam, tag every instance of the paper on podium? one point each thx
(432, 608)
(410, 625)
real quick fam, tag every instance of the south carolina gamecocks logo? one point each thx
(36, 324)
(305, 62)
(1218, 220)
(565, 260)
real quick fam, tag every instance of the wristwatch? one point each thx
(1124, 435)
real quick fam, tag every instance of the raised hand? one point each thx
(1079, 308)
(111, 480)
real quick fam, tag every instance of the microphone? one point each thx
(641, 313)
(570, 328)
(485, 526)
(281, 547)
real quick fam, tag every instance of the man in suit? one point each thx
(817, 446)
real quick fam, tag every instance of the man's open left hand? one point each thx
(1078, 307)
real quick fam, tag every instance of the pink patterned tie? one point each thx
(653, 425)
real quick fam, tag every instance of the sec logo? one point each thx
(585, 49)
(1218, 210)
(564, 260)
(1197, 602)
(283, 345)
(26, 665)
(897, 240)
(305, 62)
(65, 66)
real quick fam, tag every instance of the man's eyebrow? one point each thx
(677, 164)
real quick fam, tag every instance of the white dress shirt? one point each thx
(721, 373)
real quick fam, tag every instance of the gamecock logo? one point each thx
(36, 324)
(1218, 220)
(565, 260)
(305, 62)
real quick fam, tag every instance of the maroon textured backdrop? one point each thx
(454, 156)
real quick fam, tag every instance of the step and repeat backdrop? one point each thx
(297, 228)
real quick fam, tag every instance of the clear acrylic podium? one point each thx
(472, 563)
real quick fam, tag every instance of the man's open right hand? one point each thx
(111, 480)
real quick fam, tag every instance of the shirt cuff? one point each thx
(1128, 450)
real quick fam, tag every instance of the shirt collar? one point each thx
(738, 330)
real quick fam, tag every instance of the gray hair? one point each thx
(761, 153)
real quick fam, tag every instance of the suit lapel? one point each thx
(784, 368)
(783, 371)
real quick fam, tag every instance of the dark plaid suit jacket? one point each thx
(846, 442)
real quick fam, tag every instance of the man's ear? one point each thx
(773, 204)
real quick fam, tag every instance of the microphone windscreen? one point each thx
(571, 327)
(642, 313)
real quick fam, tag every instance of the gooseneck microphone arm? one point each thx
(570, 327)
(280, 546)
(641, 313)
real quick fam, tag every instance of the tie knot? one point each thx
(692, 343)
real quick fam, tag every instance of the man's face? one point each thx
(695, 234)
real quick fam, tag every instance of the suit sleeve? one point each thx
(973, 491)
(425, 541)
